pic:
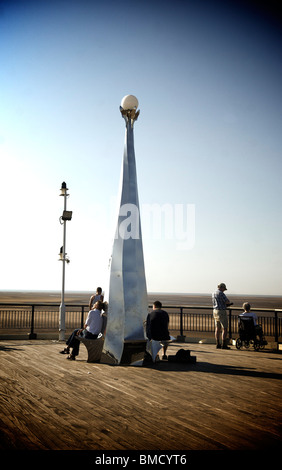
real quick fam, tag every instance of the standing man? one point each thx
(157, 326)
(220, 302)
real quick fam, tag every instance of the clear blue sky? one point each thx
(208, 77)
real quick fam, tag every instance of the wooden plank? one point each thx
(227, 400)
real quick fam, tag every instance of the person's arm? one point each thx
(90, 301)
(148, 327)
(227, 301)
(167, 318)
(87, 319)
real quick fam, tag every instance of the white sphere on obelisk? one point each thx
(129, 102)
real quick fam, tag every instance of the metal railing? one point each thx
(191, 318)
(33, 318)
(39, 317)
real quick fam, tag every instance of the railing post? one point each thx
(32, 335)
(82, 317)
(181, 337)
(276, 326)
(230, 326)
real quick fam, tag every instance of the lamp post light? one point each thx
(67, 215)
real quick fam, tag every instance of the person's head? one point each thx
(222, 287)
(156, 305)
(99, 290)
(98, 305)
(246, 307)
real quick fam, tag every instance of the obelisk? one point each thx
(128, 304)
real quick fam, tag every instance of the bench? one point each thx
(153, 346)
(133, 351)
(95, 346)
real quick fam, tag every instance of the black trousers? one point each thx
(74, 343)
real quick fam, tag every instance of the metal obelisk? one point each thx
(128, 305)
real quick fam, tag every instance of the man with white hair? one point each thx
(220, 302)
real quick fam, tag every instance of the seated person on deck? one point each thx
(92, 328)
(247, 313)
(157, 326)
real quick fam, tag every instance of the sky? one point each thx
(208, 78)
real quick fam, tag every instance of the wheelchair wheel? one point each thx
(263, 343)
(256, 344)
(238, 343)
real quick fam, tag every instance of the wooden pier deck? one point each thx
(227, 400)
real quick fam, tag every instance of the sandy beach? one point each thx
(82, 298)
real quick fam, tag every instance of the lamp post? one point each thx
(67, 215)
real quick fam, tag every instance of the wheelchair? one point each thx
(249, 334)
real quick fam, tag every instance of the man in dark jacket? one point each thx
(157, 325)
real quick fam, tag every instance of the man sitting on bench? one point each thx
(92, 328)
(157, 330)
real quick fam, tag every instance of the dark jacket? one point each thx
(157, 325)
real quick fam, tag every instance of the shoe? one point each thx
(224, 346)
(164, 357)
(71, 357)
(218, 346)
(65, 351)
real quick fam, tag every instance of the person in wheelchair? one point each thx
(249, 331)
(248, 314)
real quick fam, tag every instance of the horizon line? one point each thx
(149, 292)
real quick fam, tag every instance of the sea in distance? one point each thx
(167, 299)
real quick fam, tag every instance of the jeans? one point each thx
(73, 341)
